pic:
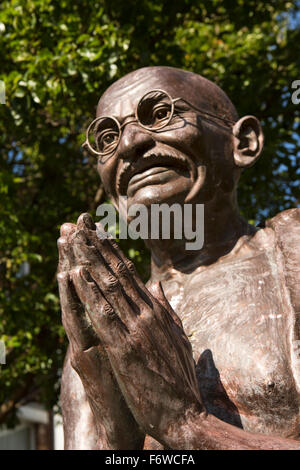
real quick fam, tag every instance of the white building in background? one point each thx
(58, 432)
(38, 429)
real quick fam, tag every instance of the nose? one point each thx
(134, 142)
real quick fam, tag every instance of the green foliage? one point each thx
(57, 57)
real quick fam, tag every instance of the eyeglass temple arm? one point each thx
(205, 112)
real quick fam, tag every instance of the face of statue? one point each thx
(164, 167)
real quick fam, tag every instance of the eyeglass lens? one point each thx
(154, 111)
(105, 135)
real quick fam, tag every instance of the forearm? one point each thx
(116, 428)
(116, 432)
(79, 426)
(200, 431)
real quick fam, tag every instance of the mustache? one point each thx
(151, 159)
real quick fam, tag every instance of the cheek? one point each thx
(107, 173)
(188, 139)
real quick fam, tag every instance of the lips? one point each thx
(150, 169)
(155, 175)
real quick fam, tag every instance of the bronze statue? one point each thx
(205, 355)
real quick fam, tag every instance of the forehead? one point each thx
(122, 97)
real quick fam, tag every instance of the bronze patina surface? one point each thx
(204, 356)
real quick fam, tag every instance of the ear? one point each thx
(248, 141)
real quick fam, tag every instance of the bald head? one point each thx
(212, 152)
(178, 83)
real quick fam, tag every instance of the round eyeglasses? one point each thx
(153, 112)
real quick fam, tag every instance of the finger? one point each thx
(76, 323)
(67, 229)
(66, 257)
(123, 267)
(113, 280)
(111, 249)
(119, 266)
(103, 241)
(106, 322)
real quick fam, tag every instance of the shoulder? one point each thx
(286, 227)
(286, 222)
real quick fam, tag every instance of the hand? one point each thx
(149, 352)
(116, 426)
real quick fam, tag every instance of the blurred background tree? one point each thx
(57, 57)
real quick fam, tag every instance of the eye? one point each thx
(161, 113)
(154, 109)
(107, 140)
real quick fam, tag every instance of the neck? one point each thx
(223, 226)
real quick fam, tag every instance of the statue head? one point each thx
(168, 135)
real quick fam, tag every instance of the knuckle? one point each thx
(130, 266)
(108, 310)
(110, 284)
(121, 269)
(114, 244)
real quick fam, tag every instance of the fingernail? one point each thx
(86, 219)
(89, 221)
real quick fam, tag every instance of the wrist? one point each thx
(202, 431)
(186, 433)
